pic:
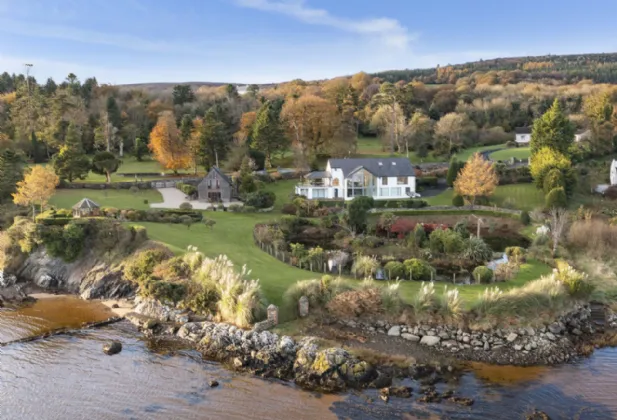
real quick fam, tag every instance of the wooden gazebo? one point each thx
(86, 208)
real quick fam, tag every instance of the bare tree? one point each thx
(558, 220)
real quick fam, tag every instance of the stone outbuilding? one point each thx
(86, 208)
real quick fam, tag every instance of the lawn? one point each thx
(513, 152)
(464, 155)
(373, 147)
(122, 199)
(520, 196)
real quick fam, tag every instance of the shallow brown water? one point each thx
(69, 377)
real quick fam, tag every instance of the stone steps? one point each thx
(598, 314)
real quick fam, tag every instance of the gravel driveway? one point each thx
(173, 197)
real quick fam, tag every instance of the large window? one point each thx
(304, 192)
(361, 183)
(319, 193)
(384, 180)
(401, 180)
(384, 192)
(395, 191)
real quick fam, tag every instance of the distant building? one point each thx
(86, 208)
(216, 187)
(380, 178)
(613, 174)
(523, 135)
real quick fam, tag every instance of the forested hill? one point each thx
(601, 68)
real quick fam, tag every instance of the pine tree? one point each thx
(453, 170)
(71, 163)
(11, 172)
(213, 140)
(553, 130)
(268, 134)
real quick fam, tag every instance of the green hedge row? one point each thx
(380, 204)
(426, 181)
(495, 213)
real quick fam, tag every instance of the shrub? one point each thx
(427, 181)
(357, 212)
(235, 208)
(451, 304)
(511, 144)
(395, 270)
(134, 189)
(505, 272)
(483, 274)
(419, 235)
(446, 241)
(248, 209)
(365, 266)
(289, 208)
(553, 179)
(458, 201)
(186, 206)
(425, 302)
(417, 269)
(402, 226)
(145, 201)
(516, 254)
(260, 199)
(187, 189)
(318, 292)
(525, 218)
(65, 242)
(462, 228)
(163, 291)
(140, 267)
(355, 303)
(476, 250)
(577, 283)
(556, 198)
(595, 237)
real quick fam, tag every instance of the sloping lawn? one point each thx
(373, 147)
(521, 197)
(516, 152)
(464, 155)
(121, 199)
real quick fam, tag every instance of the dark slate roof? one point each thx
(522, 130)
(222, 175)
(86, 203)
(318, 175)
(377, 166)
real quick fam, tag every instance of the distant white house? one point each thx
(380, 178)
(523, 135)
(613, 173)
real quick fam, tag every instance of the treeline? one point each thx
(600, 68)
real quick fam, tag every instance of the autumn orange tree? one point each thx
(167, 145)
(36, 188)
(478, 178)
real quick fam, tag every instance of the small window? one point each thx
(384, 180)
(401, 180)
(209, 183)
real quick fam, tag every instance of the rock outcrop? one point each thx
(89, 276)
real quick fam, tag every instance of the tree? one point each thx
(71, 163)
(252, 90)
(599, 112)
(453, 170)
(36, 188)
(386, 99)
(186, 127)
(213, 140)
(558, 220)
(105, 163)
(419, 133)
(478, 178)
(553, 130)
(598, 107)
(183, 94)
(546, 159)
(451, 131)
(11, 172)
(140, 149)
(167, 145)
(244, 134)
(357, 213)
(360, 81)
(556, 198)
(389, 121)
(268, 134)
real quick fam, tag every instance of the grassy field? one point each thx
(122, 199)
(467, 153)
(521, 196)
(516, 152)
(373, 147)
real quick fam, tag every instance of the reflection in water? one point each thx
(70, 377)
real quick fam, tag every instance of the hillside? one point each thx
(601, 68)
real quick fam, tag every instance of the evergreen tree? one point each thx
(113, 112)
(38, 155)
(186, 126)
(105, 163)
(268, 133)
(140, 149)
(453, 170)
(71, 163)
(11, 172)
(553, 130)
(213, 140)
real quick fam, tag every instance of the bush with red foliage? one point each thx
(403, 226)
(430, 227)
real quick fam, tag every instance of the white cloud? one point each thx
(390, 31)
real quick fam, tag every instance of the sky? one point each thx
(267, 41)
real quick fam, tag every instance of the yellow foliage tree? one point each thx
(167, 145)
(543, 161)
(477, 179)
(37, 188)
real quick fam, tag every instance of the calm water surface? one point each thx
(68, 377)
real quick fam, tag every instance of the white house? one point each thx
(613, 173)
(523, 135)
(380, 178)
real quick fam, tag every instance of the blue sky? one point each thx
(261, 41)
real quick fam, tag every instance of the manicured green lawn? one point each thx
(516, 152)
(122, 199)
(467, 153)
(521, 196)
(373, 147)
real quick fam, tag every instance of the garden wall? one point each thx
(142, 185)
(481, 210)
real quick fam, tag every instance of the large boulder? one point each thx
(430, 340)
(112, 348)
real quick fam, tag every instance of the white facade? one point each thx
(613, 173)
(359, 183)
(582, 135)
(523, 138)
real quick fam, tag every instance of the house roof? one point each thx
(318, 175)
(389, 167)
(221, 174)
(522, 130)
(86, 203)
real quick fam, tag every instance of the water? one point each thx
(69, 377)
